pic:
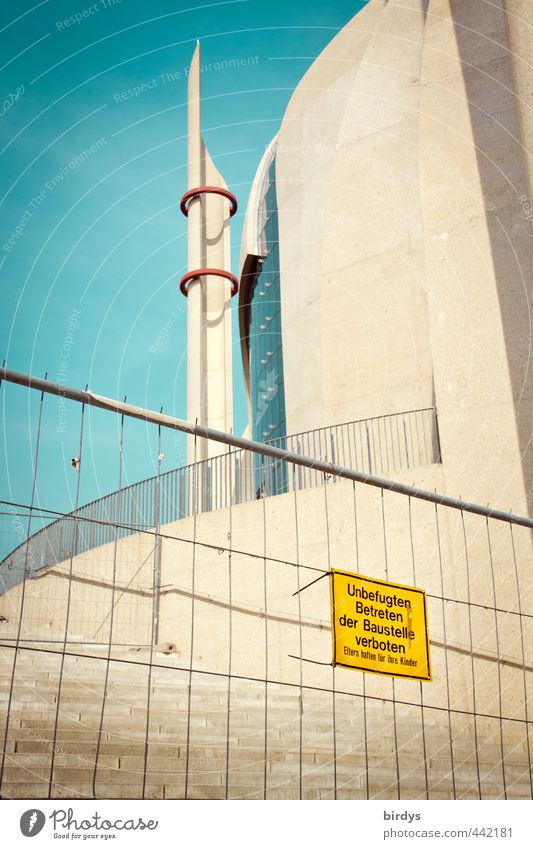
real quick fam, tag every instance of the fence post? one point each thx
(368, 449)
(157, 548)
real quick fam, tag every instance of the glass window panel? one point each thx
(266, 354)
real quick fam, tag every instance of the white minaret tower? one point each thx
(208, 284)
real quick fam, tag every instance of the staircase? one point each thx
(211, 762)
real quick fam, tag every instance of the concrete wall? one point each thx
(89, 602)
(403, 180)
(475, 168)
(380, 536)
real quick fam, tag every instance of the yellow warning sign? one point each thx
(379, 627)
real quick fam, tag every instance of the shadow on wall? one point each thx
(502, 165)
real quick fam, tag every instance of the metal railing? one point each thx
(221, 638)
(376, 445)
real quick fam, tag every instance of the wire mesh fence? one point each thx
(382, 444)
(192, 658)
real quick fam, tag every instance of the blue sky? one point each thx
(92, 244)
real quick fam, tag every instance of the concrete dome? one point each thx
(402, 174)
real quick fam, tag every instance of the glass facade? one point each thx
(265, 341)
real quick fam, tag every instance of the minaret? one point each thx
(208, 284)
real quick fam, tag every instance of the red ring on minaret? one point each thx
(203, 272)
(215, 190)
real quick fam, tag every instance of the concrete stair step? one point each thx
(85, 791)
(121, 761)
(87, 749)
(44, 731)
(62, 759)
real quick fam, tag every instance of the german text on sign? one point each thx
(378, 626)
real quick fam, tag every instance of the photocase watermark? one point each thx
(72, 326)
(11, 99)
(179, 447)
(174, 76)
(156, 345)
(522, 200)
(48, 188)
(303, 149)
(20, 531)
(32, 822)
(18, 527)
(64, 819)
(31, 734)
(65, 824)
(88, 12)
(525, 206)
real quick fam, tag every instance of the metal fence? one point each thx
(376, 445)
(195, 662)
